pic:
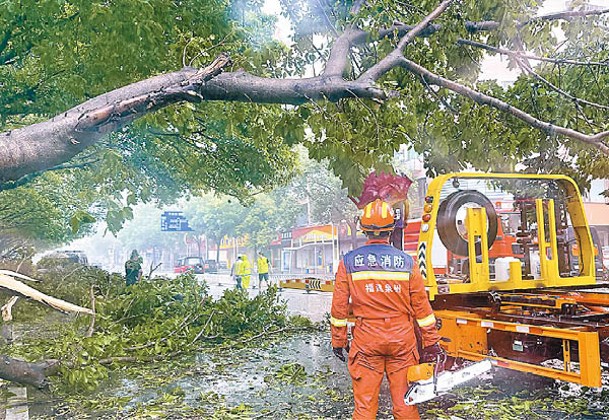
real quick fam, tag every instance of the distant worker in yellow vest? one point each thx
(263, 270)
(237, 271)
(246, 272)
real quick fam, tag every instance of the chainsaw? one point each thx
(427, 383)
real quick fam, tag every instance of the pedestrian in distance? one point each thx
(388, 298)
(263, 266)
(133, 268)
(236, 272)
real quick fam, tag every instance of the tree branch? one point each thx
(555, 88)
(491, 25)
(485, 25)
(393, 58)
(15, 286)
(340, 52)
(565, 15)
(530, 56)
(91, 328)
(41, 146)
(482, 99)
(410, 36)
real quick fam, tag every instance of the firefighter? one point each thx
(387, 297)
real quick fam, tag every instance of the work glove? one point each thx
(433, 354)
(338, 352)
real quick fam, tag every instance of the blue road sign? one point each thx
(174, 221)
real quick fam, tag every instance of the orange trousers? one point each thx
(382, 346)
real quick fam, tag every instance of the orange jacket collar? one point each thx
(378, 241)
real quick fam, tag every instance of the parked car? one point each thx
(223, 265)
(63, 257)
(194, 264)
(211, 266)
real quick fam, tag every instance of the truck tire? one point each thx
(448, 230)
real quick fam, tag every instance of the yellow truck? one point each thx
(536, 306)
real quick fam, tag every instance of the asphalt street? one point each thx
(313, 305)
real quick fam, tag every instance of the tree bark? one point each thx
(26, 373)
(42, 146)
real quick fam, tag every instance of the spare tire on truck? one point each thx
(451, 220)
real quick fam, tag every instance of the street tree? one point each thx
(46, 212)
(143, 232)
(215, 217)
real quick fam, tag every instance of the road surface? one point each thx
(313, 305)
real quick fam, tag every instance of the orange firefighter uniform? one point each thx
(387, 297)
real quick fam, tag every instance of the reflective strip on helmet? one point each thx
(338, 322)
(427, 321)
(384, 210)
(380, 275)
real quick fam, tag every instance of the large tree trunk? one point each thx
(27, 373)
(38, 147)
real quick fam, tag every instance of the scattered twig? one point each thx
(152, 270)
(7, 317)
(22, 261)
(261, 415)
(80, 267)
(204, 327)
(182, 325)
(133, 359)
(266, 333)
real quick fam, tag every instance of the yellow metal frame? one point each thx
(468, 334)
(477, 227)
(307, 284)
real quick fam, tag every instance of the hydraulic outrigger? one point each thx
(536, 308)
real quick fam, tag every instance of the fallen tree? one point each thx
(361, 64)
(154, 320)
(17, 370)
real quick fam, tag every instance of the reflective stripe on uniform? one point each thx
(427, 321)
(338, 322)
(380, 275)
